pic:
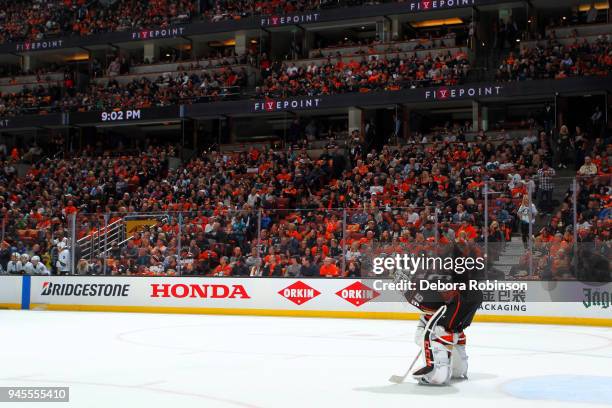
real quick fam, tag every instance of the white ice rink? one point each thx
(178, 361)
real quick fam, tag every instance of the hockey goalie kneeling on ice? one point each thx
(440, 335)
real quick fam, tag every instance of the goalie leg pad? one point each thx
(437, 370)
(420, 330)
(459, 358)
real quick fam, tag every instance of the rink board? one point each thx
(11, 292)
(342, 298)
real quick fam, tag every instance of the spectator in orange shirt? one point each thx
(283, 176)
(329, 269)
(223, 269)
(469, 230)
(70, 208)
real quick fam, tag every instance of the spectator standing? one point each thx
(549, 118)
(592, 14)
(526, 214)
(501, 34)
(63, 259)
(564, 145)
(545, 187)
(512, 32)
(5, 254)
(596, 122)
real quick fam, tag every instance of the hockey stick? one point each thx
(398, 379)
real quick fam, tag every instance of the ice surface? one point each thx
(156, 360)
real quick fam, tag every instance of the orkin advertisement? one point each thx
(357, 293)
(299, 292)
(326, 297)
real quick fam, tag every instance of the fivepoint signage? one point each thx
(272, 105)
(444, 93)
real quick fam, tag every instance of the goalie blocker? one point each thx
(441, 334)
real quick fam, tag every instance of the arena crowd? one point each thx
(283, 212)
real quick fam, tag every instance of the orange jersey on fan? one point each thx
(329, 270)
(223, 270)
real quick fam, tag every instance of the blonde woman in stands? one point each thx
(588, 168)
(82, 267)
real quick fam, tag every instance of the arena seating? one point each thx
(304, 207)
(22, 20)
(287, 201)
(51, 19)
(565, 52)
